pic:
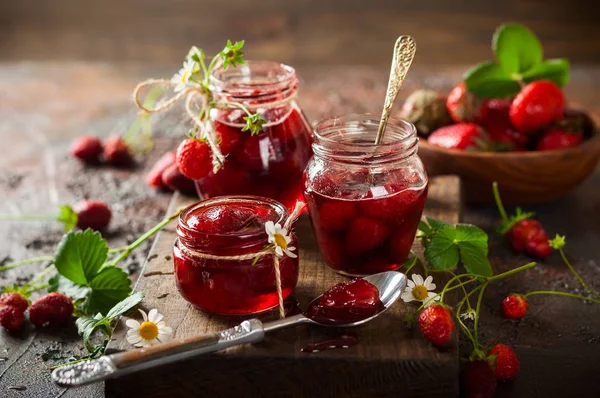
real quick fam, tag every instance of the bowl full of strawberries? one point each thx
(508, 121)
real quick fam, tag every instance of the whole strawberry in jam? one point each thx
(558, 139)
(53, 309)
(92, 214)
(364, 234)
(465, 107)
(87, 149)
(459, 136)
(116, 152)
(514, 306)
(504, 362)
(15, 300)
(194, 158)
(537, 105)
(478, 379)
(11, 318)
(436, 324)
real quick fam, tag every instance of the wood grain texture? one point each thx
(389, 357)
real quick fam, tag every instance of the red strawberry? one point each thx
(154, 177)
(336, 215)
(11, 318)
(255, 153)
(464, 106)
(92, 214)
(194, 158)
(458, 136)
(175, 180)
(87, 148)
(505, 362)
(364, 234)
(53, 309)
(528, 235)
(558, 139)
(497, 124)
(536, 106)
(15, 300)
(514, 306)
(436, 324)
(116, 152)
(479, 380)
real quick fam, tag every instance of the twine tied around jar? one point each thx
(269, 250)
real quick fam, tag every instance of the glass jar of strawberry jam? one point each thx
(365, 200)
(231, 226)
(271, 162)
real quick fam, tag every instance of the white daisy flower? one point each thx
(150, 332)
(419, 290)
(469, 314)
(279, 238)
(182, 77)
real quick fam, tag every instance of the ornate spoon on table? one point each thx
(390, 285)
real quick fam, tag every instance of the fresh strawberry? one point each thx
(537, 106)
(504, 362)
(154, 177)
(529, 236)
(497, 124)
(426, 109)
(514, 306)
(11, 318)
(116, 152)
(92, 214)
(558, 139)
(194, 158)
(336, 215)
(175, 180)
(15, 300)
(87, 149)
(465, 107)
(458, 136)
(364, 234)
(478, 379)
(436, 324)
(53, 309)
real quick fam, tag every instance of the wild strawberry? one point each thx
(514, 306)
(558, 139)
(53, 309)
(536, 106)
(458, 136)
(194, 158)
(175, 180)
(92, 214)
(529, 236)
(15, 300)
(87, 149)
(436, 324)
(11, 318)
(478, 379)
(116, 152)
(336, 215)
(364, 234)
(154, 177)
(504, 362)
(426, 109)
(465, 107)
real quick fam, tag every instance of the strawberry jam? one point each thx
(230, 226)
(271, 162)
(365, 201)
(345, 303)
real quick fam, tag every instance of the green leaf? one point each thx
(254, 123)
(555, 70)
(109, 287)
(517, 48)
(22, 290)
(424, 228)
(436, 224)
(125, 305)
(232, 54)
(80, 255)
(68, 217)
(472, 244)
(490, 80)
(441, 252)
(86, 326)
(61, 284)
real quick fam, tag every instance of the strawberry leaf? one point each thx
(80, 255)
(517, 48)
(109, 287)
(555, 70)
(490, 80)
(61, 284)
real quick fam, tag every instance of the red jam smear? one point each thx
(268, 164)
(230, 287)
(344, 341)
(345, 303)
(363, 231)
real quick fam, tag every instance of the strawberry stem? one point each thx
(498, 200)
(477, 313)
(553, 292)
(27, 261)
(579, 278)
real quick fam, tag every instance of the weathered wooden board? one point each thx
(389, 358)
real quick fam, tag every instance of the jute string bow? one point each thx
(266, 252)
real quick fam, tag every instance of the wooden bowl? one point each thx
(523, 177)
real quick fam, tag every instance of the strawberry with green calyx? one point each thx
(504, 362)
(524, 233)
(436, 324)
(465, 107)
(462, 136)
(538, 105)
(426, 109)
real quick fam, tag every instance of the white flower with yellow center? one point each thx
(419, 290)
(150, 332)
(279, 238)
(182, 77)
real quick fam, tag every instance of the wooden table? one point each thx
(44, 105)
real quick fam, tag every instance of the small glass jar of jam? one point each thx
(231, 226)
(365, 200)
(271, 162)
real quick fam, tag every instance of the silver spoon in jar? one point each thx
(390, 285)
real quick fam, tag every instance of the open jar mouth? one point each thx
(256, 81)
(351, 139)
